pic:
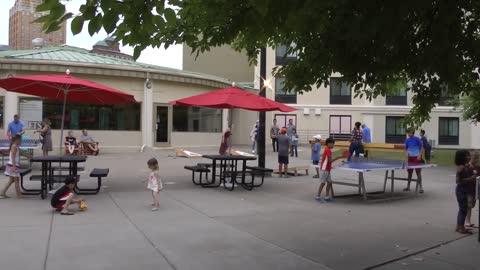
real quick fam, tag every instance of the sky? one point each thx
(168, 58)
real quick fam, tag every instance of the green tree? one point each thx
(373, 44)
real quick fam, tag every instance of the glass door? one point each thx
(162, 120)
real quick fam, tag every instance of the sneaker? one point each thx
(328, 199)
(154, 209)
(406, 189)
(280, 175)
(316, 176)
(319, 199)
(421, 191)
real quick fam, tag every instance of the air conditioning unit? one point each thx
(306, 111)
(318, 111)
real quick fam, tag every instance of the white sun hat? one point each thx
(318, 137)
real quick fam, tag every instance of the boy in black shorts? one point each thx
(63, 197)
(283, 151)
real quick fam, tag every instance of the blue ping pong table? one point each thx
(28, 145)
(363, 165)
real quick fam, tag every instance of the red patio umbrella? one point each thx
(67, 88)
(233, 97)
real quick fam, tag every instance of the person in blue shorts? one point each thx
(316, 149)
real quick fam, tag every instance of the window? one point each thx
(93, 117)
(446, 98)
(196, 119)
(340, 127)
(340, 92)
(448, 129)
(283, 96)
(283, 119)
(282, 56)
(394, 130)
(398, 97)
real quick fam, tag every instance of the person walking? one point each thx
(46, 136)
(274, 131)
(367, 137)
(254, 137)
(427, 147)
(355, 141)
(12, 169)
(16, 127)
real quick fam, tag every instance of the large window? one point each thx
(340, 92)
(448, 130)
(196, 119)
(398, 97)
(93, 117)
(446, 98)
(340, 127)
(395, 132)
(283, 96)
(282, 56)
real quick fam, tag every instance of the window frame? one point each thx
(448, 139)
(397, 100)
(340, 99)
(396, 137)
(195, 114)
(288, 98)
(340, 136)
(282, 57)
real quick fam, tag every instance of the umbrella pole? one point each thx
(65, 93)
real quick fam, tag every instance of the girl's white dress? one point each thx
(154, 182)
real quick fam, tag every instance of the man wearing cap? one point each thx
(316, 149)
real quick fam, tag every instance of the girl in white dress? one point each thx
(154, 182)
(12, 170)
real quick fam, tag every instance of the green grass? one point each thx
(441, 157)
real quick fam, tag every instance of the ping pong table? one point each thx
(363, 165)
(28, 145)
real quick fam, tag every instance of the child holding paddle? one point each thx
(326, 167)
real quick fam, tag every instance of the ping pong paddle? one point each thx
(346, 154)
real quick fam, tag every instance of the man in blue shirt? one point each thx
(413, 152)
(367, 137)
(16, 127)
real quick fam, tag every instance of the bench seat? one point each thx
(198, 169)
(95, 173)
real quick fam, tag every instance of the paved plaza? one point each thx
(276, 226)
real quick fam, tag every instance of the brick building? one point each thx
(22, 31)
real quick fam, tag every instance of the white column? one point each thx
(225, 119)
(147, 114)
(10, 108)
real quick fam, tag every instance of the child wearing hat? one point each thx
(316, 149)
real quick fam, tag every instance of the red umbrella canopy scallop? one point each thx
(56, 86)
(233, 97)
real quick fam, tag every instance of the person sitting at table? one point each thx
(71, 142)
(88, 141)
(12, 170)
(63, 197)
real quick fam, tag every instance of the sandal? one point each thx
(66, 213)
(471, 225)
(464, 231)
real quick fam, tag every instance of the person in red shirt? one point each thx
(326, 167)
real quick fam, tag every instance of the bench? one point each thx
(257, 171)
(295, 170)
(25, 191)
(96, 173)
(198, 169)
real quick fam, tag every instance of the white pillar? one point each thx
(147, 114)
(226, 118)
(10, 108)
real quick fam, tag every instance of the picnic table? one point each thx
(228, 169)
(363, 165)
(48, 177)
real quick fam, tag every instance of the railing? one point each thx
(304, 135)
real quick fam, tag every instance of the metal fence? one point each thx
(304, 135)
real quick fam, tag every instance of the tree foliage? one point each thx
(373, 44)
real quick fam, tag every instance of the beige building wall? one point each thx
(314, 111)
(221, 61)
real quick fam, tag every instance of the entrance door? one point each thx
(162, 125)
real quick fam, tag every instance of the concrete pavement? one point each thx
(277, 226)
